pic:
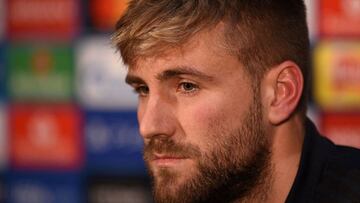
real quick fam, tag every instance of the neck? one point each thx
(287, 144)
(260, 193)
(278, 177)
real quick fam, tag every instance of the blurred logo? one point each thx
(42, 62)
(43, 130)
(45, 137)
(28, 192)
(337, 75)
(351, 8)
(100, 76)
(340, 18)
(342, 128)
(113, 142)
(112, 189)
(103, 137)
(43, 188)
(104, 14)
(42, 18)
(40, 72)
(347, 74)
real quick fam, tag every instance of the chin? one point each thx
(169, 183)
(173, 176)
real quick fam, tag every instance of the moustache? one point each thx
(167, 146)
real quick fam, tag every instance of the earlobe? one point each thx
(286, 81)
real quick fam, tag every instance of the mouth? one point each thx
(163, 160)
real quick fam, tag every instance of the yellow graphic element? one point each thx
(337, 75)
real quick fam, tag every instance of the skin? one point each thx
(183, 91)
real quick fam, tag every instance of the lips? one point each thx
(167, 160)
(165, 151)
(165, 156)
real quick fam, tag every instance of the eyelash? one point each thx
(143, 90)
(184, 91)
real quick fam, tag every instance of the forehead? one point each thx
(206, 49)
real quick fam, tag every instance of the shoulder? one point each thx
(327, 172)
(346, 156)
(340, 181)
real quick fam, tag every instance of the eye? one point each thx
(188, 87)
(141, 90)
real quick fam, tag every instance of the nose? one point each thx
(156, 118)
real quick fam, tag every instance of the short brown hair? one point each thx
(261, 33)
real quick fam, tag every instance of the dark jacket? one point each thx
(327, 173)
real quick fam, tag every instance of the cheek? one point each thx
(204, 113)
(208, 119)
(200, 121)
(217, 110)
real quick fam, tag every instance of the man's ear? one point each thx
(283, 89)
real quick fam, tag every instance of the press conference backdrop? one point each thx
(68, 129)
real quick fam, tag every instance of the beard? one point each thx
(236, 166)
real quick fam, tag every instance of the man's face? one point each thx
(201, 123)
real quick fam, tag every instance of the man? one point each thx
(222, 103)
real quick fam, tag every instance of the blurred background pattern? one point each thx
(68, 129)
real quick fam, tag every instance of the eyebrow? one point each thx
(169, 74)
(132, 79)
(183, 70)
